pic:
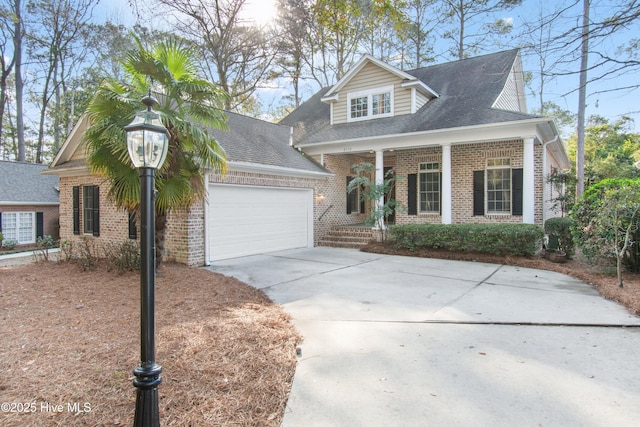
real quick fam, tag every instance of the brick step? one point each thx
(347, 237)
(346, 245)
(363, 234)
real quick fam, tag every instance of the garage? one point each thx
(248, 220)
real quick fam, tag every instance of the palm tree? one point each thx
(188, 105)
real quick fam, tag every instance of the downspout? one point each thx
(544, 171)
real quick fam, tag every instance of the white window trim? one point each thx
(421, 171)
(486, 187)
(32, 238)
(369, 94)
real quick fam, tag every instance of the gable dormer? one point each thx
(373, 89)
(513, 96)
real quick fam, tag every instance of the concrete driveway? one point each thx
(399, 341)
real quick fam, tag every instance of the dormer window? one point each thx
(370, 104)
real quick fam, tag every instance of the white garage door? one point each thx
(245, 220)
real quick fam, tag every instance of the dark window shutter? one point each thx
(0, 223)
(133, 229)
(363, 208)
(39, 225)
(516, 192)
(350, 206)
(96, 210)
(412, 194)
(76, 210)
(478, 193)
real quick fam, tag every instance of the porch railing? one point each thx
(325, 211)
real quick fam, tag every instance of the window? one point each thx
(89, 212)
(499, 185)
(370, 104)
(354, 204)
(88, 204)
(133, 228)
(19, 226)
(359, 107)
(430, 186)
(381, 103)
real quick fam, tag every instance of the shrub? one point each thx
(86, 256)
(43, 244)
(123, 256)
(560, 230)
(66, 250)
(500, 239)
(10, 244)
(595, 208)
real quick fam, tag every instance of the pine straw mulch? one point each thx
(72, 338)
(605, 282)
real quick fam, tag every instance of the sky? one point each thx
(609, 104)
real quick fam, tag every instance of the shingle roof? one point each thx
(248, 140)
(467, 88)
(23, 183)
(251, 140)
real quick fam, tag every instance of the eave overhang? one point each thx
(541, 129)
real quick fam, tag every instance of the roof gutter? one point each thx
(274, 170)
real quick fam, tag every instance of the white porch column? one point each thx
(380, 180)
(446, 184)
(528, 182)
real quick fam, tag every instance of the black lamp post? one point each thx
(147, 142)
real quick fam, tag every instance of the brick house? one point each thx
(457, 135)
(28, 202)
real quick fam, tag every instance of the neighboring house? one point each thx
(457, 135)
(29, 202)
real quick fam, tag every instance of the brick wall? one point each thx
(465, 159)
(185, 229)
(114, 222)
(408, 162)
(332, 210)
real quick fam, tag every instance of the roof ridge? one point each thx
(253, 118)
(23, 163)
(502, 52)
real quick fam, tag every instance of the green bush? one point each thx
(587, 214)
(10, 244)
(559, 230)
(500, 239)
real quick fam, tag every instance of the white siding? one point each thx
(513, 95)
(372, 76)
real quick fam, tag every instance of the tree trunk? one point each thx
(582, 97)
(461, 34)
(17, 45)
